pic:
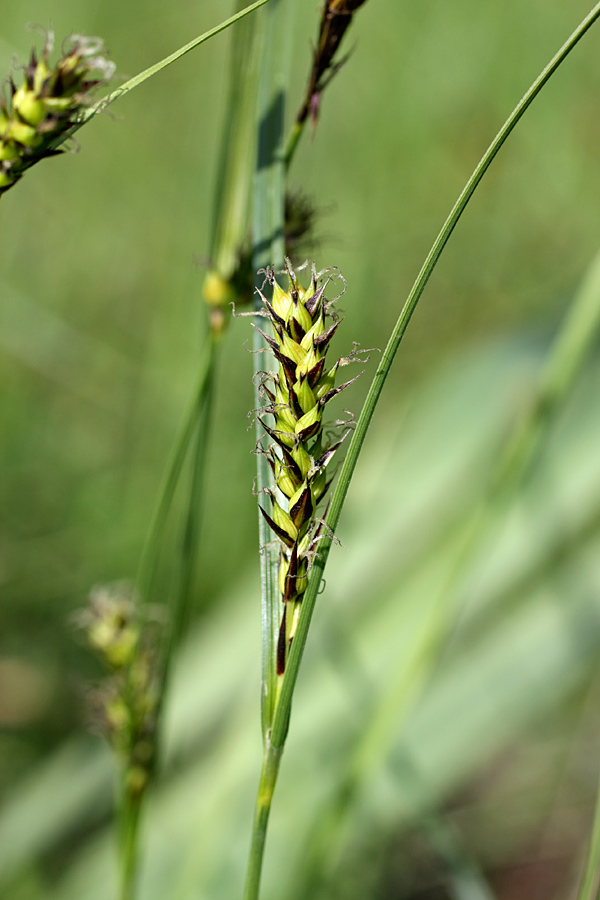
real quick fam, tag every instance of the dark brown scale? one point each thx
(292, 574)
(338, 390)
(297, 332)
(308, 432)
(281, 642)
(277, 435)
(321, 342)
(302, 510)
(270, 341)
(289, 368)
(281, 534)
(292, 466)
(274, 317)
(314, 374)
(312, 302)
(295, 404)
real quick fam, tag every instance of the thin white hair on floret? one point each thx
(47, 34)
(322, 524)
(256, 492)
(87, 46)
(257, 350)
(71, 145)
(269, 274)
(245, 315)
(357, 355)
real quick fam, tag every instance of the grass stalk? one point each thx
(266, 787)
(237, 163)
(194, 412)
(129, 818)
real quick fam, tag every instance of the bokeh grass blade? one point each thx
(268, 249)
(237, 154)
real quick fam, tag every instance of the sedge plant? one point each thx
(282, 656)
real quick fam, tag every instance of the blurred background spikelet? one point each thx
(40, 112)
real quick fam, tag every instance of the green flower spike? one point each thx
(303, 324)
(42, 110)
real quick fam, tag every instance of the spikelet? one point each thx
(336, 18)
(125, 703)
(303, 324)
(46, 105)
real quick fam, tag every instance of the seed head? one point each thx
(47, 104)
(336, 18)
(125, 704)
(304, 323)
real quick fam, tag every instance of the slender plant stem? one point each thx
(198, 417)
(236, 167)
(131, 805)
(266, 786)
(280, 723)
(293, 141)
(570, 350)
(190, 536)
(150, 551)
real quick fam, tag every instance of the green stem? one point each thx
(190, 537)
(292, 144)
(128, 840)
(291, 674)
(266, 787)
(150, 551)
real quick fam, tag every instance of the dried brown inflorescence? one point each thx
(336, 18)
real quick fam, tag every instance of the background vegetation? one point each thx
(101, 325)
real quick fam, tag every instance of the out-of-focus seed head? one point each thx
(111, 625)
(42, 110)
(125, 703)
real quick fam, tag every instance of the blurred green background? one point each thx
(101, 329)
